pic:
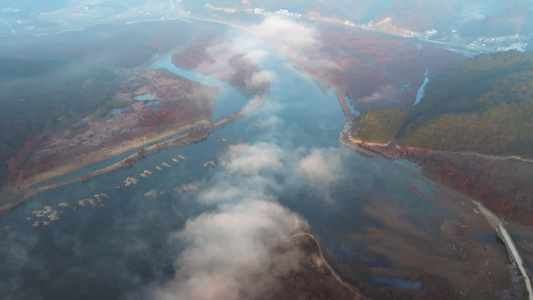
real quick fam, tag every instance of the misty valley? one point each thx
(265, 150)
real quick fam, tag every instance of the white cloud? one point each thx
(273, 122)
(260, 156)
(300, 44)
(385, 94)
(224, 61)
(252, 105)
(259, 78)
(219, 65)
(471, 13)
(322, 166)
(229, 253)
(256, 55)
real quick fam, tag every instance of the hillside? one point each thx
(483, 104)
(480, 106)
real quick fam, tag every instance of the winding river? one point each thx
(107, 241)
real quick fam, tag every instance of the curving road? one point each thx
(514, 256)
(331, 270)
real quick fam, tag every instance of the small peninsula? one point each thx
(127, 113)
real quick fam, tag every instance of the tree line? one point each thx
(482, 104)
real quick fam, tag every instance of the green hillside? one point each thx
(484, 104)
(380, 125)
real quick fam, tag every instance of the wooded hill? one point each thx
(483, 104)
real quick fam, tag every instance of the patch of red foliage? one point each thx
(503, 185)
(141, 154)
(129, 162)
(168, 116)
(45, 163)
(239, 68)
(196, 53)
(15, 162)
(198, 134)
(377, 69)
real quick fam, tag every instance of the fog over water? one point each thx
(157, 239)
(201, 230)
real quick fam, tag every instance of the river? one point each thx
(420, 91)
(110, 242)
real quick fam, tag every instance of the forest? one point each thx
(122, 45)
(503, 185)
(483, 104)
(42, 95)
(169, 115)
(379, 126)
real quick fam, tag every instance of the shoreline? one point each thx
(77, 160)
(517, 228)
(23, 188)
(110, 151)
(332, 270)
(491, 218)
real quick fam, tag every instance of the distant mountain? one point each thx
(45, 17)
(483, 104)
(479, 26)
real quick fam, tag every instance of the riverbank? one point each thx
(469, 211)
(66, 165)
(407, 250)
(24, 187)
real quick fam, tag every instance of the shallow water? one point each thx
(118, 110)
(420, 91)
